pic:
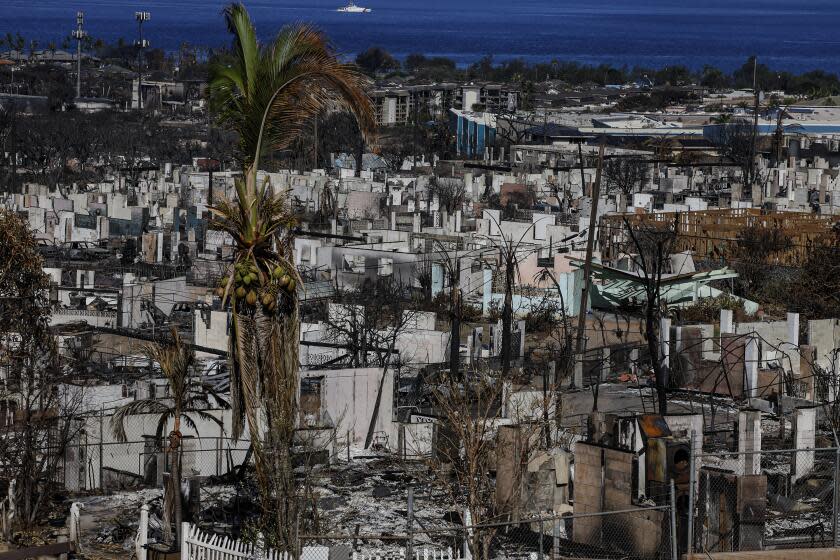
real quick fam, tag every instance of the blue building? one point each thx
(473, 132)
(714, 133)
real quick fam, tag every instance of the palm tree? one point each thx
(267, 94)
(20, 44)
(723, 118)
(270, 92)
(189, 398)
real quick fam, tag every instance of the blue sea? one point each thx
(793, 35)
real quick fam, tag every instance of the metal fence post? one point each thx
(540, 553)
(409, 548)
(836, 509)
(674, 554)
(186, 551)
(691, 483)
(297, 547)
(101, 485)
(143, 533)
(467, 534)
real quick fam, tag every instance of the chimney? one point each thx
(804, 432)
(751, 367)
(749, 441)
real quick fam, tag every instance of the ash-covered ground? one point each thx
(363, 498)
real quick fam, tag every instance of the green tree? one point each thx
(375, 60)
(713, 78)
(757, 250)
(267, 94)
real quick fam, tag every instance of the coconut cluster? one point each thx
(252, 286)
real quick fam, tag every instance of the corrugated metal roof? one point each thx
(313, 291)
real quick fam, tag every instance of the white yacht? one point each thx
(352, 8)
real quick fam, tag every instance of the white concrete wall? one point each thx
(205, 449)
(349, 396)
(211, 331)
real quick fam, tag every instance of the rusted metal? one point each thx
(654, 426)
(715, 233)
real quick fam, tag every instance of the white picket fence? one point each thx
(198, 545)
(420, 553)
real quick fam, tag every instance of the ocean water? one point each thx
(793, 35)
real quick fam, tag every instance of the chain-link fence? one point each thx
(765, 499)
(640, 533)
(141, 464)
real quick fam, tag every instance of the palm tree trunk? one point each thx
(177, 497)
(286, 497)
(277, 342)
(167, 504)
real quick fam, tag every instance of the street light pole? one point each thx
(141, 44)
(79, 34)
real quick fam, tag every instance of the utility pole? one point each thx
(455, 317)
(755, 125)
(79, 34)
(141, 44)
(582, 171)
(315, 143)
(590, 242)
(545, 126)
(413, 98)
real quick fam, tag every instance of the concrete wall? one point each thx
(349, 397)
(824, 335)
(772, 335)
(93, 318)
(211, 329)
(167, 293)
(609, 488)
(588, 488)
(417, 440)
(96, 456)
(404, 265)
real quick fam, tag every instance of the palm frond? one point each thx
(268, 93)
(147, 406)
(176, 362)
(187, 419)
(163, 422)
(245, 375)
(245, 45)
